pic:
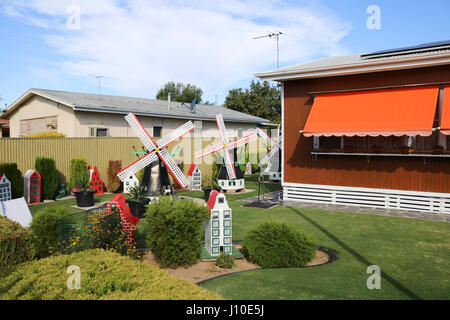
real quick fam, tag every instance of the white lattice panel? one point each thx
(138, 165)
(175, 134)
(140, 131)
(208, 150)
(244, 140)
(222, 130)
(269, 155)
(368, 197)
(173, 168)
(229, 163)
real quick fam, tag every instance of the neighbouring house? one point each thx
(93, 115)
(368, 129)
(4, 128)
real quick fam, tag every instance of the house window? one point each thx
(99, 132)
(221, 200)
(157, 131)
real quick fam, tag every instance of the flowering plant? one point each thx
(82, 184)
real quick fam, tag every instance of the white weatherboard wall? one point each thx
(368, 197)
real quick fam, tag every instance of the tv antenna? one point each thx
(275, 35)
(99, 82)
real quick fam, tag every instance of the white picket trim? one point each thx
(368, 197)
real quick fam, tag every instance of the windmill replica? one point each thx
(230, 175)
(274, 155)
(156, 153)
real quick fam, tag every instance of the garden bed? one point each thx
(205, 270)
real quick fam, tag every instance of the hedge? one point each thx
(14, 176)
(47, 169)
(104, 275)
(174, 231)
(274, 244)
(46, 134)
(15, 243)
(78, 169)
(45, 230)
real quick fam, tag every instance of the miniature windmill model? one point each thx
(274, 155)
(230, 176)
(156, 150)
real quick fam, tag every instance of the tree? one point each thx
(180, 92)
(261, 100)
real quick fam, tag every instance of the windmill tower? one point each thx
(156, 152)
(230, 175)
(274, 155)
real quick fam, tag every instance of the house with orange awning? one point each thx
(369, 129)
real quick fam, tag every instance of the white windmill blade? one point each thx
(175, 134)
(173, 168)
(244, 140)
(140, 131)
(269, 155)
(229, 164)
(222, 130)
(265, 136)
(208, 150)
(137, 165)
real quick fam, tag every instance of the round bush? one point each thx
(275, 244)
(45, 230)
(15, 243)
(174, 231)
(225, 261)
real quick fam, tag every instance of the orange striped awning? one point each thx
(445, 117)
(398, 112)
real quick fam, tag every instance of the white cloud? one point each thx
(139, 45)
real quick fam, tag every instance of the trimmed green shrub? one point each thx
(274, 244)
(104, 275)
(45, 230)
(47, 169)
(225, 261)
(14, 176)
(174, 231)
(78, 170)
(15, 243)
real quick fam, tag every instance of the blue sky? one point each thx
(139, 45)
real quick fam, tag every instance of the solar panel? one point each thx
(425, 47)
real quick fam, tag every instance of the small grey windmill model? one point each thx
(274, 154)
(230, 175)
(156, 151)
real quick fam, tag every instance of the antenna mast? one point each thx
(99, 80)
(275, 35)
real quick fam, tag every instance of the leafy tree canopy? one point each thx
(262, 100)
(180, 92)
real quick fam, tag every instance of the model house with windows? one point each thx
(129, 182)
(95, 181)
(5, 189)
(368, 129)
(32, 187)
(218, 234)
(194, 177)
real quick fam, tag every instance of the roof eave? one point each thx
(161, 115)
(357, 68)
(13, 106)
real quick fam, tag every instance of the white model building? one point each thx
(195, 178)
(130, 181)
(218, 228)
(5, 189)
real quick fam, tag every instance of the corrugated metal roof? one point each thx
(310, 69)
(147, 107)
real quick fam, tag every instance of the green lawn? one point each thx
(413, 256)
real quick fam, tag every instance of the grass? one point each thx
(412, 254)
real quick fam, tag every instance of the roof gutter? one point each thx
(161, 115)
(366, 66)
